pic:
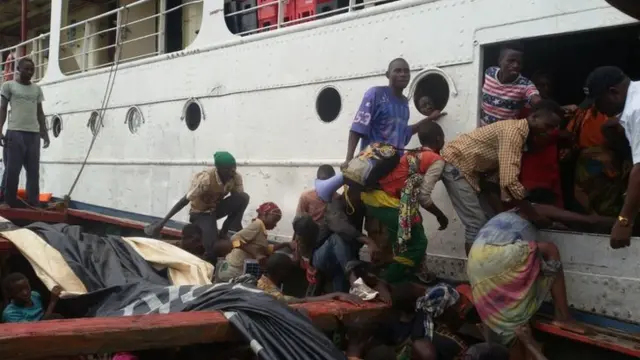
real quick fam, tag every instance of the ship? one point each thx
(140, 94)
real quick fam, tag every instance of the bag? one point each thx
(372, 164)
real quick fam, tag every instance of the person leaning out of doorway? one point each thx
(495, 149)
(209, 202)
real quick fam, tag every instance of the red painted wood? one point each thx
(125, 223)
(103, 335)
(602, 340)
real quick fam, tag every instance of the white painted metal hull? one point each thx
(259, 93)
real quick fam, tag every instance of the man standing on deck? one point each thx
(383, 115)
(24, 130)
(209, 202)
(616, 95)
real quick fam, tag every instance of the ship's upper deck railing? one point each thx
(137, 34)
(262, 16)
(37, 49)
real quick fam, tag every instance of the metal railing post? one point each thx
(85, 47)
(281, 4)
(162, 26)
(352, 3)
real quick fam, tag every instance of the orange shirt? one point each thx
(587, 123)
(393, 183)
(311, 204)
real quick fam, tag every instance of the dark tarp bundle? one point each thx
(120, 283)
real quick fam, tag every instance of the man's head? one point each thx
(431, 135)
(279, 267)
(510, 61)
(325, 172)
(607, 87)
(543, 83)
(16, 288)
(544, 120)
(306, 230)
(225, 165)
(192, 239)
(398, 73)
(26, 68)
(426, 105)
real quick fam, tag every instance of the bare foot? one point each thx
(571, 325)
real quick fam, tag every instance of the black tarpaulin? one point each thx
(120, 282)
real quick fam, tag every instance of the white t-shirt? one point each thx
(630, 119)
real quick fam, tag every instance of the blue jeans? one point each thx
(331, 259)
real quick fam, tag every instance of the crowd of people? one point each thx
(493, 176)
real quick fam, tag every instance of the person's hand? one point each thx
(523, 332)
(262, 260)
(348, 298)
(620, 236)
(2, 139)
(384, 295)
(443, 221)
(558, 226)
(55, 292)
(374, 249)
(153, 230)
(45, 137)
(437, 115)
(542, 222)
(344, 165)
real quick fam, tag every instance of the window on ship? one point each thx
(90, 33)
(243, 17)
(37, 48)
(593, 165)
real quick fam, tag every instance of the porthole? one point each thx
(56, 125)
(94, 123)
(431, 89)
(134, 119)
(192, 114)
(328, 104)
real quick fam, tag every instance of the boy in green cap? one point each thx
(209, 202)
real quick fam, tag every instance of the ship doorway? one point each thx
(567, 60)
(173, 29)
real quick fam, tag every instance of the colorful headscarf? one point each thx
(434, 303)
(269, 208)
(224, 159)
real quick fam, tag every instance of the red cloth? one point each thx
(267, 208)
(540, 170)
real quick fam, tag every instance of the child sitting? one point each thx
(192, 240)
(251, 243)
(26, 305)
(279, 267)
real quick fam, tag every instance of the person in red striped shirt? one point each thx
(505, 91)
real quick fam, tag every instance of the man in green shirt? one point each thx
(24, 129)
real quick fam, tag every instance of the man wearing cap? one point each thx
(209, 202)
(614, 94)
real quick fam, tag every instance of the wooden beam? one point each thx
(46, 339)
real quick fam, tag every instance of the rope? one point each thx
(105, 101)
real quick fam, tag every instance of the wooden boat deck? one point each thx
(105, 335)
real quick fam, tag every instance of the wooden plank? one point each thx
(33, 215)
(125, 223)
(104, 335)
(599, 337)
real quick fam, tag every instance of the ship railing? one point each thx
(88, 41)
(36, 49)
(282, 4)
